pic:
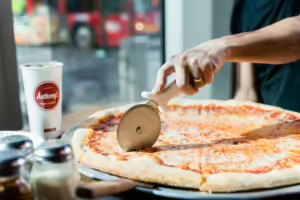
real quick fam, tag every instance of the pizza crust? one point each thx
(234, 103)
(149, 171)
(232, 182)
(144, 169)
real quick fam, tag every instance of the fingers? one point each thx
(183, 76)
(208, 74)
(188, 65)
(161, 78)
(194, 66)
(189, 86)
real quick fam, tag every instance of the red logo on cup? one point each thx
(46, 95)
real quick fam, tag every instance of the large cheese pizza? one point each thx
(214, 146)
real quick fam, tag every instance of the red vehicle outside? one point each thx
(104, 23)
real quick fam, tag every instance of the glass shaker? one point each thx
(13, 182)
(54, 175)
(17, 142)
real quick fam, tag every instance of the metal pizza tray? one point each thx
(177, 193)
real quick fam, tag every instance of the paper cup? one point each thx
(43, 92)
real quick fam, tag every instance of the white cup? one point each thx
(43, 92)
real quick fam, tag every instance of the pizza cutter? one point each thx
(140, 126)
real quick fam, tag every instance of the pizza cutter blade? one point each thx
(140, 126)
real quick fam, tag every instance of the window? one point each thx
(79, 6)
(114, 6)
(143, 6)
(109, 56)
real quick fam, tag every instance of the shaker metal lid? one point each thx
(53, 151)
(18, 142)
(10, 162)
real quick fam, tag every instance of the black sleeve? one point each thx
(235, 16)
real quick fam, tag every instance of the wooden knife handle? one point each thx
(102, 189)
(141, 184)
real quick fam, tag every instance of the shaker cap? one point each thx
(16, 142)
(54, 151)
(10, 162)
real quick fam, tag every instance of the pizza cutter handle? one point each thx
(172, 91)
(162, 99)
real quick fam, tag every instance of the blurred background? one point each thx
(87, 35)
(112, 49)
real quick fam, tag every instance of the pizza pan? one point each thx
(177, 193)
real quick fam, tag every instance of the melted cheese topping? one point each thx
(212, 139)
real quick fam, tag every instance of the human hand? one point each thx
(246, 94)
(202, 62)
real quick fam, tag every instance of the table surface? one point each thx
(74, 118)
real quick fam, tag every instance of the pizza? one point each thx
(212, 146)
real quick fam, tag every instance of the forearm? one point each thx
(276, 44)
(245, 75)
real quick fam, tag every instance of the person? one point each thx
(265, 83)
(275, 44)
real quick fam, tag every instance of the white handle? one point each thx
(172, 91)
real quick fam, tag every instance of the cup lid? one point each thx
(41, 65)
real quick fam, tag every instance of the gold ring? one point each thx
(198, 80)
